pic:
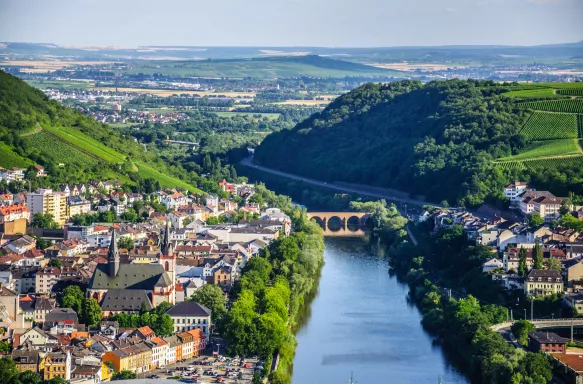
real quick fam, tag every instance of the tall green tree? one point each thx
(538, 256)
(554, 265)
(212, 297)
(521, 329)
(8, 371)
(535, 220)
(44, 220)
(91, 311)
(29, 377)
(522, 267)
(72, 297)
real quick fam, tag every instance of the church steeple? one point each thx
(113, 256)
(166, 245)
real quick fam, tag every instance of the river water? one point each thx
(360, 321)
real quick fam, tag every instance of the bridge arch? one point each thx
(350, 222)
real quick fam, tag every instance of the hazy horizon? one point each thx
(292, 23)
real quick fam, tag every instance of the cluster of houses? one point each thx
(507, 237)
(126, 267)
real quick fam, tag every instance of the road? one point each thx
(341, 188)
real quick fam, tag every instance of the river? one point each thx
(360, 321)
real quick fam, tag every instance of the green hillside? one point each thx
(72, 146)
(455, 140)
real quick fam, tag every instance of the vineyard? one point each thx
(533, 94)
(86, 143)
(58, 151)
(545, 126)
(567, 106)
(571, 92)
(580, 121)
(539, 164)
(548, 148)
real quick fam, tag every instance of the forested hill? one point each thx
(439, 140)
(74, 147)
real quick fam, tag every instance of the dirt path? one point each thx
(36, 129)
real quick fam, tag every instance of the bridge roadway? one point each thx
(356, 219)
(338, 187)
(543, 324)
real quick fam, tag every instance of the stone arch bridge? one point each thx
(350, 223)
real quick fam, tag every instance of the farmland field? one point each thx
(79, 139)
(547, 125)
(271, 116)
(60, 84)
(568, 106)
(549, 148)
(166, 180)
(58, 151)
(9, 158)
(541, 163)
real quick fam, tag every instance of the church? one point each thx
(157, 280)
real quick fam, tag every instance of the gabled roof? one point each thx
(130, 276)
(189, 308)
(125, 300)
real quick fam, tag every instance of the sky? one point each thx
(325, 23)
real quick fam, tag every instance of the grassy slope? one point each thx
(67, 136)
(9, 158)
(549, 148)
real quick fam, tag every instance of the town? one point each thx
(88, 301)
(538, 250)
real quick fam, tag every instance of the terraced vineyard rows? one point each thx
(58, 150)
(86, 143)
(546, 126)
(533, 94)
(580, 123)
(571, 92)
(567, 106)
(547, 148)
(548, 163)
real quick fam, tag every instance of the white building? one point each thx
(514, 190)
(190, 315)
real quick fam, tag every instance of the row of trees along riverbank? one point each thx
(272, 292)
(462, 325)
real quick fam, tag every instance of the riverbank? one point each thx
(273, 289)
(462, 326)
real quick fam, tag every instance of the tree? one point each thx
(522, 267)
(29, 377)
(8, 371)
(521, 329)
(554, 265)
(55, 262)
(5, 347)
(566, 206)
(126, 243)
(56, 380)
(164, 326)
(538, 256)
(91, 311)
(44, 220)
(212, 297)
(124, 375)
(535, 220)
(72, 297)
(261, 266)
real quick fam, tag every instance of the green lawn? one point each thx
(533, 94)
(164, 179)
(9, 158)
(542, 149)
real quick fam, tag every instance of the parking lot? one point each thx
(206, 369)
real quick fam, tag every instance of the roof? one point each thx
(61, 314)
(544, 273)
(189, 308)
(125, 300)
(130, 276)
(548, 338)
(574, 361)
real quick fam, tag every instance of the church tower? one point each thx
(113, 256)
(168, 257)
